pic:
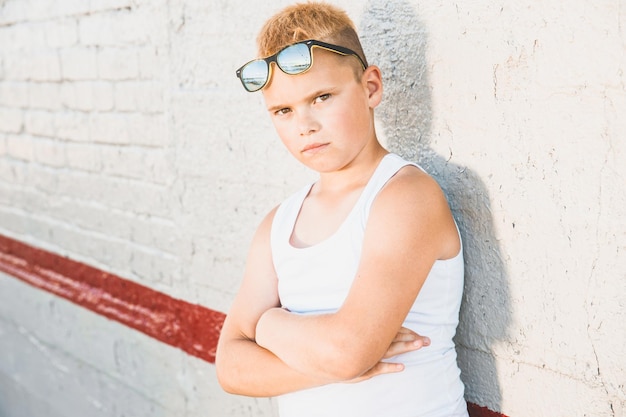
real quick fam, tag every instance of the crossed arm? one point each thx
(267, 351)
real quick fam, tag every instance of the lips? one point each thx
(314, 147)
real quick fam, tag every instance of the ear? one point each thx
(373, 81)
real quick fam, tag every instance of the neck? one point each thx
(355, 174)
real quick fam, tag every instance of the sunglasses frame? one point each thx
(310, 43)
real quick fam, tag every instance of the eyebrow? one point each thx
(276, 108)
(316, 93)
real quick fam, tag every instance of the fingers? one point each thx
(379, 369)
(405, 341)
(404, 335)
(385, 368)
(408, 335)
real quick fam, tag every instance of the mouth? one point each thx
(314, 147)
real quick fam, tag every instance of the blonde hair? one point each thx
(312, 20)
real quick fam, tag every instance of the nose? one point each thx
(307, 123)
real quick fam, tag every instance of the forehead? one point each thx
(328, 71)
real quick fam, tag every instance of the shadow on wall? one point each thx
(395, 39)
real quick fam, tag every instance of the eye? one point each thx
(282, 112)
(322, 98)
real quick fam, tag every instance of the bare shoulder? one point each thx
(411, 185)
(261, 238)
(265, 226)
(414, 201)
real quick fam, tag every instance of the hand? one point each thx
(406, 340)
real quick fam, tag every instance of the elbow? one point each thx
(228, 382)
(222, 375)
(346, 372)
(228, 387)
(225, 383)
(344, 361)
(226, 374)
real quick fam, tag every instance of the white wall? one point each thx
(127, 143)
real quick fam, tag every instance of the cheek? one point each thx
(286, 133)
(350, 117)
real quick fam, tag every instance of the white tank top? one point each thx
(317, 279)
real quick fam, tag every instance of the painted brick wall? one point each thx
(86, 151)
(127, 143)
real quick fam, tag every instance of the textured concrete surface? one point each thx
(127, 143)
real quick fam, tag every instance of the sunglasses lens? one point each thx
(294, 59)
(254, 75)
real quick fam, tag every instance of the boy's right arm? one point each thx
(245, 368)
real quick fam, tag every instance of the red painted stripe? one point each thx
(189, 327)
(478, 411)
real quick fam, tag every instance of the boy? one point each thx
(330, 291)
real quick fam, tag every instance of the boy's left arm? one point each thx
(410, 226)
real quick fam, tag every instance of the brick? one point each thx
(73, 126)
(3, 146)
(118, 64)
(105, 5)
(49, 152)
(83, 156)
(11, 120)
(151, 62)
(40, 123)
(44, 96)
(109, 128)
(19, 11)
(116, 192)
(7, 172)
(145, 231)
(16, 66)
(39, 65)
(115, 28)
(14, 94)
(20, 147)
(45, 65)
(23, 36)
(87, 95)
(8, 192)
(103, 96)
(155, 267)
(14, 171)
(79, 63)
(77, 95)
(139, 163)
(29, 198)
(60, 33)
(13, 12)
(38, 177)
(142, 96)
(56, 9)
(15, 221)
(148, 130)
(15, 197)
(155, 233)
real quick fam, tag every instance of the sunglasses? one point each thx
(293, 59)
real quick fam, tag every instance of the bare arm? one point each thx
(245, 368)
(410, 226)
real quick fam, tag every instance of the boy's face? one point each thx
(324, 116)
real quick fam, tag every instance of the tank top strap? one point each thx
(388, 167)
(285, 217)
(287, 212)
